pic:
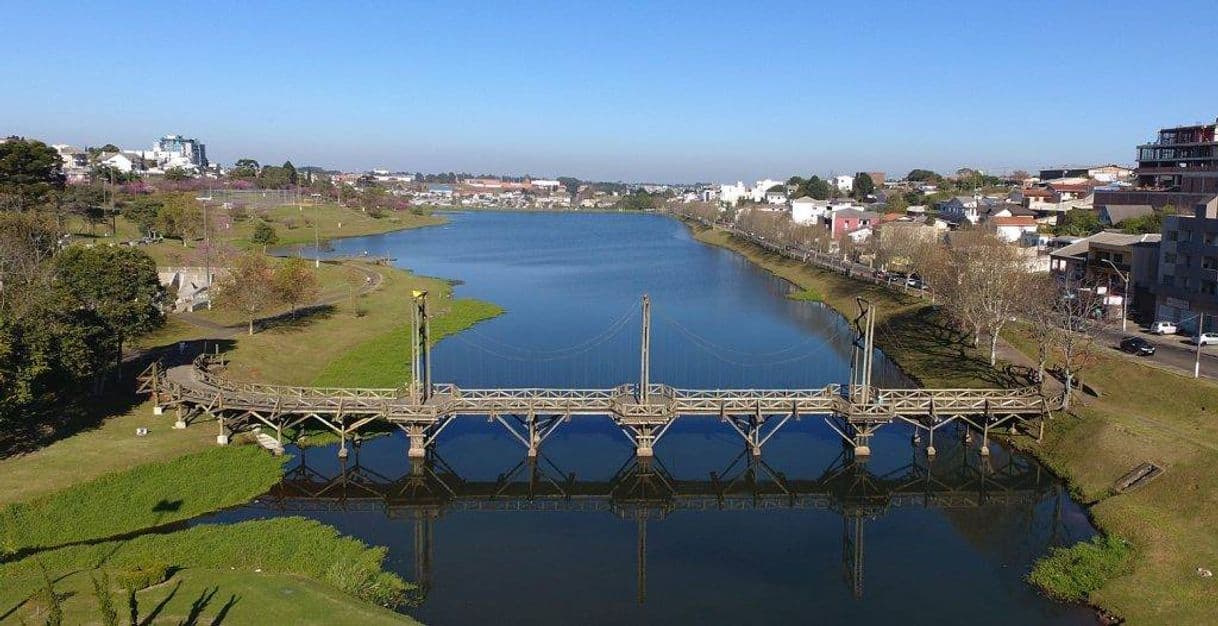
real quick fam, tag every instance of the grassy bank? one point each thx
(1143, 413)
(384, 361)
(143, 497)
(336, 339)
(292, 224)
(263, 552)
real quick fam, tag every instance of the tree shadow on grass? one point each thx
(160, 606)
(84, 410)
(299, 320)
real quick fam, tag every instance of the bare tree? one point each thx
(1038, 306)
(1076, 313)
(248, 287)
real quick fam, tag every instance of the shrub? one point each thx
(1073, 573)
(143, 576)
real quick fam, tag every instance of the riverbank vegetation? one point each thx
(1141, 413)
(146, 496)
(1075, 572)
(383, 361)
(286, 546)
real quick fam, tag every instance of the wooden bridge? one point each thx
(643, 411)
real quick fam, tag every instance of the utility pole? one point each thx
(316, 237)
(1124, 297)
(1200, 332)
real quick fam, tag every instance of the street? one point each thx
(1172, 351)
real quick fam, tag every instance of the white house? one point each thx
(125, 162)
(776, 196)
(1014, 228)
(844, 184)
(758, 192)
(807, 210)
(731, 194)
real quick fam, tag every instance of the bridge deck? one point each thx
(532, 414)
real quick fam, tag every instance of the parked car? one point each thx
(1204, 339)
(1163, 328)
(1138, 346)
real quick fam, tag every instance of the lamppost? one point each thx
(1124, 297)
(206, 248)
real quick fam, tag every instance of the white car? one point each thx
(1204, 339)
(1163, 328)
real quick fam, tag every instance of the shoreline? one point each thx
(755, 255)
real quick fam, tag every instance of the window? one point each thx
(1209, 287)
(1173, 235)
(1208, 238)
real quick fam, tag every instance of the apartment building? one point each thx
(1187, 288)
(1179, 167)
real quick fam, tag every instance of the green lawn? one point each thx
(146, 496)
(1143, 414)
(233, 598)
(384, 361)
(292, 224)
(287, 546)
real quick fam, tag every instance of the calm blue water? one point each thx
(586, 536)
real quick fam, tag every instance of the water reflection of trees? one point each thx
(984, 497)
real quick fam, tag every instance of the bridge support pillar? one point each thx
(930, 444)
(222, 438)
(417, 449)
(180, 424)
(985, 439)
(158, 410)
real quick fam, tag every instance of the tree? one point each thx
(247, 287)
(1038, 309)
(295, 283)
(29, 171)
(264, 235)
(143, 211)
(1143, 224)
(637, 200)
(180, 216)
(817, 188)
(863, 185)
(272, 177)
(1075, 315)
(1078, 223)
(177, 174)
(105, 600)
(923, 176)
(290, 170)
(570, 184)
(895, 203)
(244, 169)
(119, 284)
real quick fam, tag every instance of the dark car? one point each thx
(1138, 346)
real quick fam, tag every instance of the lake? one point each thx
(703, 533)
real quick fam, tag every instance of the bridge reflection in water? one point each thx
(643, 490)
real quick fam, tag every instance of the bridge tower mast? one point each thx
(863, 353)
(420, 348)
(645, 352)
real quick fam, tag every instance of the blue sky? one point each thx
(662, 91)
